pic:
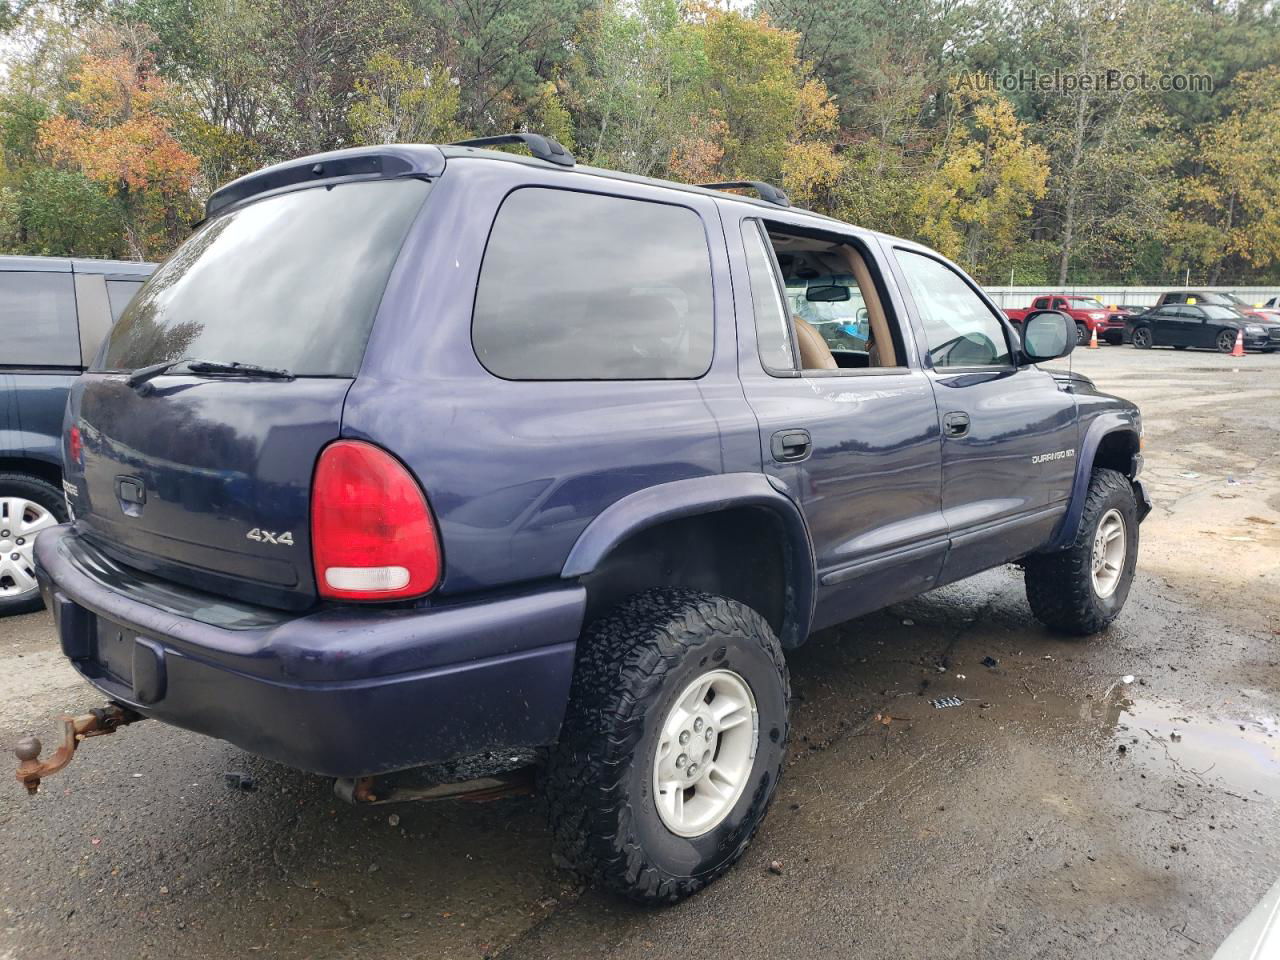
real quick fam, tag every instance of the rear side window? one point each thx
(290, 281)
(119, 293)
(578, 286)
(38, 320)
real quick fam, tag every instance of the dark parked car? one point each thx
(418, 453)
(54, 313)
(1211, 298)
(1204, 325)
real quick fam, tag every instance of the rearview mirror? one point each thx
(1047, 335)
(827, 293)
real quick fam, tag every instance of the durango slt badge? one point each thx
(1056, 455)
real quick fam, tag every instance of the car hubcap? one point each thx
(1108, 553)
(705, 753)
(20, 521)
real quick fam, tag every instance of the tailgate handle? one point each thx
(131, 494)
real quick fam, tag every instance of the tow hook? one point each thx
(95, 723)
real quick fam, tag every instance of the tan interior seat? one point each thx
(814, 352)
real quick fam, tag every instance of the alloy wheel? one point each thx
(705, 753)
(1108, 553)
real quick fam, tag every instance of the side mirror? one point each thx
(827, 293)
(1047, 335)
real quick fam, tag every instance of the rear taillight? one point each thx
(372, 536)
(75, 446)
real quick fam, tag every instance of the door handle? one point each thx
(956, 424)
(789, 445)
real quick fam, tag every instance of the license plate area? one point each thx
(113, 651)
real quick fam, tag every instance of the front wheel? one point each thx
(1142, 338)
(1226, 341)
(1081, 589)
(672, 744)
(1082, 335)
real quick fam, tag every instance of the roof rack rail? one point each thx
(544, 148)
(767, 191)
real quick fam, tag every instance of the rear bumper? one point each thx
(344, 692)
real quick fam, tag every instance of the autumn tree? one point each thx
(986, 177)
(402, 102)
(116, 129)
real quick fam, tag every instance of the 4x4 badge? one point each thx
(267, 536)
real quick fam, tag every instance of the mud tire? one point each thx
(631, 665)
(1060, 585)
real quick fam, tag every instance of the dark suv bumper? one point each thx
(345, 692)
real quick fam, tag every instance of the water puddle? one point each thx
(1236, 747)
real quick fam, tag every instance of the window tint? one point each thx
(961, 331)
(288, 281)
(577, 286)
(1041, 303)
(38, 320)
(773, 325)
(119, 293)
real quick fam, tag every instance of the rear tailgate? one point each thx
(202, 473)
(206, 482)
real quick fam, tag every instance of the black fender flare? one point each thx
(707, 494)
(1102, 426)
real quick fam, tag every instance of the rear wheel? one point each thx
(1142, 338)
(1082, 589)
(27, 506)
(672, 745)
(1226, 341)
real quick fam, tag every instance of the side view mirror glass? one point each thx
(1047, 335)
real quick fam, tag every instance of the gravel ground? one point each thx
(1060, 812)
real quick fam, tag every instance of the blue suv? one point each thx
(54, 314)
(419, 453)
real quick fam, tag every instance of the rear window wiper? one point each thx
(219, 367)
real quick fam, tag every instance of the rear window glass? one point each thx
(119, 293)
(290, 281)
(578, 286)
(38, 320)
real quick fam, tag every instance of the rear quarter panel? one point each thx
(516, 470)
(31, 409)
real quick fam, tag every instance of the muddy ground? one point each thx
(1059, 812)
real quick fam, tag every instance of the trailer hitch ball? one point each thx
(75, 730)
(27, 750)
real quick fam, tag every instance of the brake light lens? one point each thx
(372, 535)
(75, 446)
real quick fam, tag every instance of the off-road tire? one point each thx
(39, 491)
(631, 666)
(1060, 585)
(1142, 338)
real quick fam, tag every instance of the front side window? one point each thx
(1041, 303)
(580, 286)
(960, 329)
(38, 320)
(290, 281)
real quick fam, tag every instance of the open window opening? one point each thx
(832, 314)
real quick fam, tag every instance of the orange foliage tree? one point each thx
(116, 127)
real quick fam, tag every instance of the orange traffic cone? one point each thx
(1093, 340)
(1238, 349)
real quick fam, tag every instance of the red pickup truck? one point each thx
(1089, 313)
